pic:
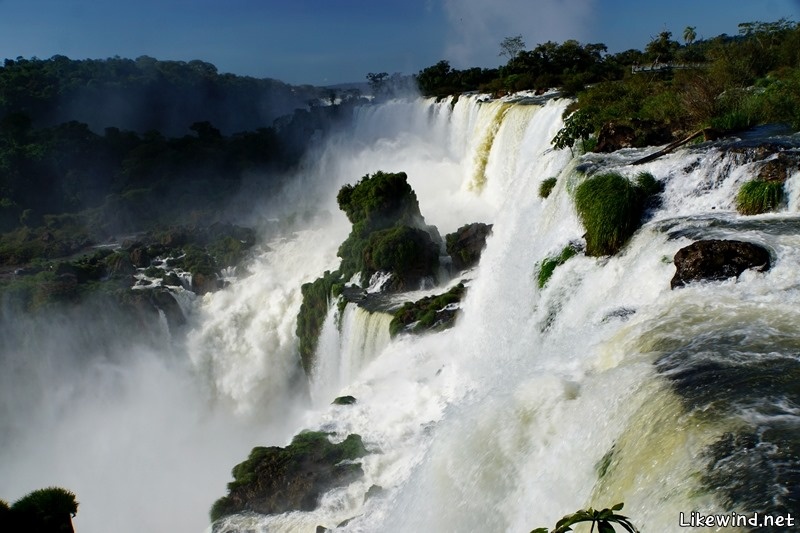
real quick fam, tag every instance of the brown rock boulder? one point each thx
(466, 244)
(717, 260)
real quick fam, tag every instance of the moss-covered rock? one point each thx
(433, 313)
(409, 254)
(610, 208)
(376, 203)
(278, 480)
(466, 244)
(381, 200)
(344, 400)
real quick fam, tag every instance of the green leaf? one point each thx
(605, 527)
(617, 507)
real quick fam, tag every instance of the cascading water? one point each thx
(602, 386)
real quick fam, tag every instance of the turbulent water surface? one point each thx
(604, 386)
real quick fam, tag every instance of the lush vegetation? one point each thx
(757, 196)
(144, 94)
(733, 83)
(408, 253)
(548, 266)
(432, 313)
(610, 208)
(275, 480)
(655, 95)
(98, 185)
(48, 510)
(388, 230)
(378, 202)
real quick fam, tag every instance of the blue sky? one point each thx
(332, 41)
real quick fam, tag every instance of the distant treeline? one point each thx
(726, 83)
(760, 47)
(144, 94)
(122, 145)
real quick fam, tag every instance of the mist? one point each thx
(116, 412)
(476, 27)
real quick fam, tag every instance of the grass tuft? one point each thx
(610, 208)
(546, 187)
(756, 197)
(548, 265)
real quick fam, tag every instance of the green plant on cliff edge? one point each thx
(548, 265)
(603, 518)
(757, 196)
(546, 187)
(610, 208)
(312, 315)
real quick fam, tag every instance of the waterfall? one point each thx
(602, 386)
(583, 393)
(340, 357)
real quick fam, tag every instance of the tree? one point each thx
(510, 47)
(689, 34)
(377, 82)
(662, 48)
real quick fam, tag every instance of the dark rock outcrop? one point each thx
(204, 283)
(278, 480)
(717, 260)
(344, 400)
(139, 257)
(466, 244)
(778, 168)
(613, 136)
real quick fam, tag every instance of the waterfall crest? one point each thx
(541, 401)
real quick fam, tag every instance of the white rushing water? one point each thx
(537, 403)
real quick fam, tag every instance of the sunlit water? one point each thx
(604, 386)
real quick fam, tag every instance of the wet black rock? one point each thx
(717, 260)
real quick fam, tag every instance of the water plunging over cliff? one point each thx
(602, 386)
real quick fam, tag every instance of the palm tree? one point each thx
(689, 35)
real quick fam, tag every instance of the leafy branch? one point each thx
(603, 518)
(576, 126)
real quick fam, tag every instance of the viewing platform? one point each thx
(658, 67)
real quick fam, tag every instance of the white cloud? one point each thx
(478, 26)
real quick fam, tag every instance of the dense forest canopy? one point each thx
(144, 94)
(90, 149)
